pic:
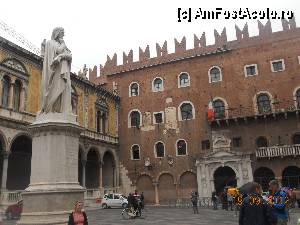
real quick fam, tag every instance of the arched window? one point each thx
(159, 150)
(298, 98)
(135, 119)
(263, 104)
(296, 139)
(5, 91)
(186, 111)
(184, 80)
(135, 152)
(158, 84)
(17, 94)
(215, 74)
(181, 147)
(219, 109)
(134, 89)
(261, 142)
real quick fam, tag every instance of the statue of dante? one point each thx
(56, 81)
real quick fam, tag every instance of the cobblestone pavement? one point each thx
(167, 216)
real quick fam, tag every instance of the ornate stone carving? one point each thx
(221, 142)
(15, 65)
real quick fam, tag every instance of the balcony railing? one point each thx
(10, 196)
(275, 107)
(100, 137)
(278, 151)
(15, 115)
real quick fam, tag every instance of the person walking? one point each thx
(230, 201)
(255, 210)
(78, 216)
(278, 202)
(194, 200)
(214, 200)
(142, 200)
(224, 199)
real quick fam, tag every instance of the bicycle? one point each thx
(131, 213)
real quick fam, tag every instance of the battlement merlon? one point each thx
(289, 30)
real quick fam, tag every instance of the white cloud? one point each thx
(97, 28)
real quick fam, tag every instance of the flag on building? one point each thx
(210, 111)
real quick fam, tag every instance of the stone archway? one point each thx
(108, 170)
(19, 163)
(92, 172)
(223, 177)
(166, 188)
(144, 184)
(263, 176)
(188, 183)
(291, 177)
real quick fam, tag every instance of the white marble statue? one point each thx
(56, 81)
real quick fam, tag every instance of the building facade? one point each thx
(97, 110)
(170, 145)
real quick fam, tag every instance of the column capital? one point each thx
(5, 154)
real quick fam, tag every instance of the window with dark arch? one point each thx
(135, 119)
(158, 84)
(296, 139)
(5, 91)
(261, 142)
(186, 111)
(298, 98)
(181, 147)
(184, 80)
(219, 109)
(263, 104)
(134, 89)
(215, 74)
(160, 149)
(135, 151)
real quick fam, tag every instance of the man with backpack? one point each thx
(255, 210)
(278, 202)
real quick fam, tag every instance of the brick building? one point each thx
(167, 145)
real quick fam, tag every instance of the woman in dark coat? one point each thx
(78, 216)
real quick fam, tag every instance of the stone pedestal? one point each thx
(54, 186)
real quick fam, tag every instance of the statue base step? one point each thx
(49, 206)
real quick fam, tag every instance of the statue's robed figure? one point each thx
(56, 83)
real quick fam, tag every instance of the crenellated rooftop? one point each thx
(221, 45)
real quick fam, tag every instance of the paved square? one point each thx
(167, 216)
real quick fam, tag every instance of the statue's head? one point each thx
(57, 33)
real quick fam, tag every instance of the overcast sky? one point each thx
(94, 29)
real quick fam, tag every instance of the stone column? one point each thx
(83, 163)
(199, 175)
(100, 175)
(4, 170)
(11, 95)
(209, 187)
(23, 98)
(156, 193)
(240, 175)
(250, 172)
(1, 87)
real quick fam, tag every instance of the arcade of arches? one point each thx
(97, 173)
(167, 188)
(15, 166)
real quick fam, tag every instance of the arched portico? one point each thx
(19, 163)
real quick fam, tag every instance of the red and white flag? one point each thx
(210, 111)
